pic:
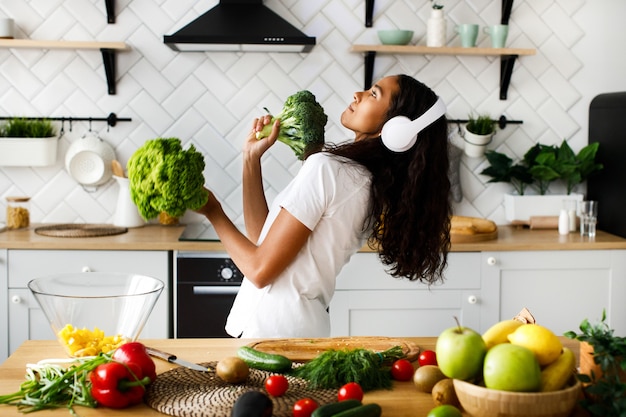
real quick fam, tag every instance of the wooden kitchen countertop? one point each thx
(403, 400)
(157, 237)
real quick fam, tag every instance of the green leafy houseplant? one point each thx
(605, 392)
(481, 125)
(543, 164)
(27, 128)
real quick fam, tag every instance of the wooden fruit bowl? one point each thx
(483, 402)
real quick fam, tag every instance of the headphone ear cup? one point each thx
(398, 134)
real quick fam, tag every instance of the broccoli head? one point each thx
(302, 122)
(165, 178)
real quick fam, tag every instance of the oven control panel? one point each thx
(207, 268)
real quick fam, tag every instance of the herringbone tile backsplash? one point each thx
(209, 99)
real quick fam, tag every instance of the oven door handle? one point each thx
(215, 290)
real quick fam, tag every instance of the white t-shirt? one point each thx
(330, 198)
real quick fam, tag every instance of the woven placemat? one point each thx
(183, 392)
(79, 230)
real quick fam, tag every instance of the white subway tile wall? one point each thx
(209, 99)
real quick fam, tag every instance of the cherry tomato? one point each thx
(350, 391)
(402, 370)
(276, 385)
(304, 407)
(427, 357)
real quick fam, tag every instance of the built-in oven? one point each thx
(206, 284)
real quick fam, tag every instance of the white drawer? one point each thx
(24, 265)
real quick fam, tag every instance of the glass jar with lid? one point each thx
(18, 215)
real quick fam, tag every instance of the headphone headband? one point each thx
(399, 133)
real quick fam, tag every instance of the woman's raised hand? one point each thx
(256, 147)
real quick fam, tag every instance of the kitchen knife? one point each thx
(174, 359)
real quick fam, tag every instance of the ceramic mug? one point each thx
(7, 28)
(498, 34)
(468, 33)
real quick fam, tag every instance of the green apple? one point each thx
(511, 367)
(460, 352)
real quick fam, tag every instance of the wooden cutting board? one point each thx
(472, 238)
(302, 350)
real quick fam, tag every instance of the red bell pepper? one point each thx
(118, 385)
(135, 352)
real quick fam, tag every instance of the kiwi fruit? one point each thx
(425, 377)
(444, 394)
(232, 370)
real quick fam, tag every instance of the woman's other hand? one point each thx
(211, 206)
(256, 147)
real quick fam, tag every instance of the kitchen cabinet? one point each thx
(27, 321)
(369, 302)
(559, 287)
(4, 322)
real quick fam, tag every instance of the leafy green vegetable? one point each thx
(49, 386)
(302, 122)
(25, 128)
(605, 393)
(334, 368)
(165, 178)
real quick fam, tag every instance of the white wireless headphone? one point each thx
(400, 133)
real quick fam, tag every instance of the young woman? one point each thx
(395, 199)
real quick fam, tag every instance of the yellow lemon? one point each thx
(540, 340)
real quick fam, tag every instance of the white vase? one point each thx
(436, 29)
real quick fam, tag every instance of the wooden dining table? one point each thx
(400, 401)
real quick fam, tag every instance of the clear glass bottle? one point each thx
(18, 214)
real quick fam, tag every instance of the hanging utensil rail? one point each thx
(502, 121)
(111, 119)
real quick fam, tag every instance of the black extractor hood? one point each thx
(240, 25)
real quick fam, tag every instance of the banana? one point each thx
(555, 375)
(498, 333)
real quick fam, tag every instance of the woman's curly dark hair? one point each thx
(409, 217)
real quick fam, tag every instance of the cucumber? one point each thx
(329, 410)
(366, 410)
(264, 361)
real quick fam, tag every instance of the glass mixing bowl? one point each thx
(94, 312)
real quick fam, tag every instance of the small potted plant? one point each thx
(602, 368)
(479, 131)
(541, 166)
(28, 142)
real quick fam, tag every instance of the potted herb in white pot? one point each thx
(28, 142)
(541, 166)
(478, 134)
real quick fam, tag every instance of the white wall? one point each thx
(210, 98)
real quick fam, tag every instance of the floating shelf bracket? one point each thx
(369, 13)
(108, 59)
(110, 6)
(507, 62)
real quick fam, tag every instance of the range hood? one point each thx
(240, 25)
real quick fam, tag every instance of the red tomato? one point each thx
(427, 357)
(350, 391)
(276, 385)
(304, 407)
(402, 370)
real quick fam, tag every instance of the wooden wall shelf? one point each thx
(108, 50)
(507, 58)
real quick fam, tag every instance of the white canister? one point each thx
(126, 213)
(436, 29)
(7, 28)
